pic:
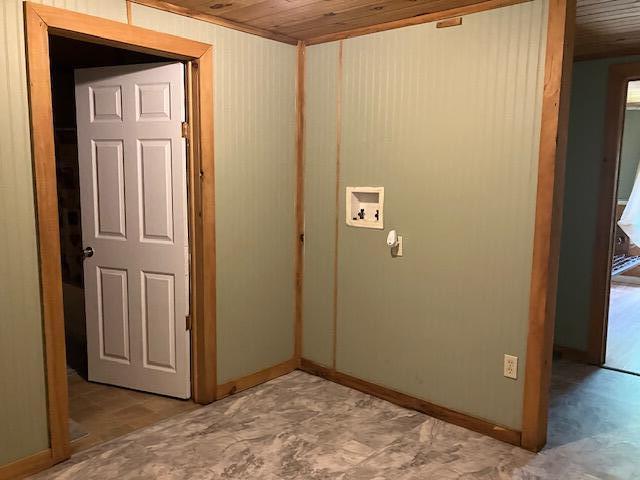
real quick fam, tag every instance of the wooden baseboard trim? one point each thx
(256, 378)
(442, 413)
(27, 466)
(569, 353)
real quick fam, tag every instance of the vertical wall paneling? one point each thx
(448, 121)
(23, 420)
(255, 183)
(340, 83)
(299, 206)
(321, 87)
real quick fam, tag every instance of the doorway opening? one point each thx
(614, 332)
(98, 410)
(104, 148)
(593, 404)
(622, 349)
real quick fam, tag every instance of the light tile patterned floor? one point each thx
(106, 412)
(623, 333)
(303, 427)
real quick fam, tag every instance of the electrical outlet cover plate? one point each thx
(511, 366)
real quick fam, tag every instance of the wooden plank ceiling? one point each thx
(603, 27)
(607, 27)
(293, 20)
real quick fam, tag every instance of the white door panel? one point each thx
(113, 314)
(158, 321)
(156, 191)
(132, 167)
(108, 173)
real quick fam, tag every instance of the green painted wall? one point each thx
(629, 154)
(255, 185)
(254, 118)
(584, 155)
(448, 121)
(23, 420)
(321, 82)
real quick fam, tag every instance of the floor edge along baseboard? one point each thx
(42, 460)
(442, 413)
(26, 466)
(254, 379)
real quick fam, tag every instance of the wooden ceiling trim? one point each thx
(188, 12)
(431, 17)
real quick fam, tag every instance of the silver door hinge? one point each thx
(185, 130)
(188, 322)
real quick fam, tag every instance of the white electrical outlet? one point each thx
(511, 366)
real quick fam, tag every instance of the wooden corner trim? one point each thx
(189, 12)
(336, 225)
(94, 29)
(27, 466)
(407, 401)
(299, 205)
(406, 22)
(548, 216)
(256, 378)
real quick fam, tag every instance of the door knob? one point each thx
(87, 252)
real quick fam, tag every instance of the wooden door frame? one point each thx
(40, 22)
(548, 221)
(619, 75)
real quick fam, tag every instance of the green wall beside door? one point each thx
(448, 121)
(255, 137)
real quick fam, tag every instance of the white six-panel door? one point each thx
(132, 165)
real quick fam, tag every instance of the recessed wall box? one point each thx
(365, 207)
